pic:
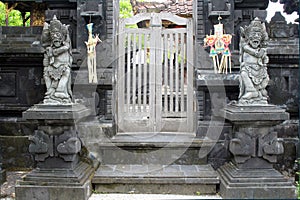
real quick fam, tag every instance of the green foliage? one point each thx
(2, 14)
(125, 9)
(14, 17)
(298, 188)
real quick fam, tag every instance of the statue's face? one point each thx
(255, 39)
(56, 38)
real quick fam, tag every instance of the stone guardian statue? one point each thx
(57, 62)
(254, 77)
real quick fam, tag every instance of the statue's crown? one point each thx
(256, 25)
(55, 25)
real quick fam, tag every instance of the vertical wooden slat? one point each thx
(182, 64)
(134, 74)
(166, 71)
(140, 73)
(158, 81)
(152, 80)
(171, 72)
(145, 73)
(176, 73)
(128, 72)
(120, 73)
(190, 76)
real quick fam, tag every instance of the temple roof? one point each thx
(178, 7)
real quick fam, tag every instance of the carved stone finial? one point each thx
(253, 64)
(57, 62)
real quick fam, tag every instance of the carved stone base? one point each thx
(255, 146)
(55, 184)
(56, 146)
(254, 184)
(254, 143)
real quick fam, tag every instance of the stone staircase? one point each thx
(156, 179)
(165, 163)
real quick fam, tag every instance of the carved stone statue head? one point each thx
(58, 32)
(255, 34)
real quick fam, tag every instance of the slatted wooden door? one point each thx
(155, 75)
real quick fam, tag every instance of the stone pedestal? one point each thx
(60, 173)
(254, 146)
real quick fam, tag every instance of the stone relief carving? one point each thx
(218, 8)
(57, 62)
(44, 145)
(242, 147)
(40, 145)
(254, 77)
(247, 144)
(278, 27)
(68, 149)
(270, 146)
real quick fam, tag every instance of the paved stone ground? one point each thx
(8, 192)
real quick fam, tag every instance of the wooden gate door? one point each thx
(155, 75)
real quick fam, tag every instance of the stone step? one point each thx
(151, 148)
(143, 148)
(151, 179)
(254, 183)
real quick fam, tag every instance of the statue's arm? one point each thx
(61, 50)
(46, 60)
(250, 50)
(265, 56)
(259, 53)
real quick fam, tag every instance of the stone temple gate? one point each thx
(155, 86)
(158, 119)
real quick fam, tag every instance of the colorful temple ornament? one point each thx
(219, 45)
(91, 51)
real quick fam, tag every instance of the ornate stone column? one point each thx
(60, 173)
(254, 144)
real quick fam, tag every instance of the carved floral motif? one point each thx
(44, 145)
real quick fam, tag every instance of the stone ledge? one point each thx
(236, 113)
(188, 179)
(51, 184)
(54, 192)
(254, 183)
(56, 112)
